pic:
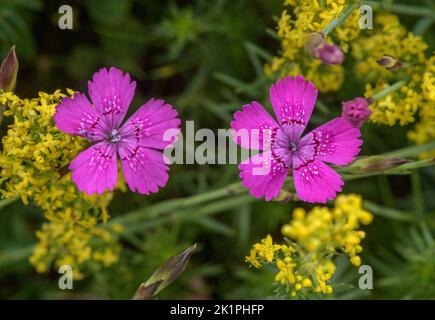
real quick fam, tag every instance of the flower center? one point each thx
(286, 143)
(114, 136)
(293, 146)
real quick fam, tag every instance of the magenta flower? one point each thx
(138, 142)
(334, 142)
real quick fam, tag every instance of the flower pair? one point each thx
(139, 141)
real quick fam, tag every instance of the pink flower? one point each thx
(138, 142)
(330, 54)
(356, 111)
(334, 142)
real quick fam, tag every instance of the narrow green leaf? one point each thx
(7, 201)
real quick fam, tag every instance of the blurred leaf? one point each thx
(7, 201)
(215, 226)
(108, 12)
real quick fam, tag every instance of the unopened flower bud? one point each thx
(330, 54)
(374, 164)
(164, 275)
(8, 71)
(318, 48)
(390, 62)
(356, 111)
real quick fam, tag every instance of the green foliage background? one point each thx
(206, 58)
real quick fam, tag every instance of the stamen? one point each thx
(114, 136)
(293, 146)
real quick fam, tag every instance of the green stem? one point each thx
(411, 151)
(402, 169)
(191, 213)
(13, 256)
(387, 212)
(181, 203)
(340, 19)
(236, 189)
(7, 201)
(383, 93)
(404, 9)
(417, 194)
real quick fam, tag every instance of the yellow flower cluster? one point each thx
(305, 17)
(34, 166)
(305, 262)
(428, 85)
(424, 130)
(75, 241)
(389, 37)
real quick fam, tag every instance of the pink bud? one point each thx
(356, 111)
(330, 54)
(8, 71)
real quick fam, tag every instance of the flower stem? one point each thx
(385, 92)
(340, 19)
(220, 199)
(412, 150)
(387, 212)
(404, 9)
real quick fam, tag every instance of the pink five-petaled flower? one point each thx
(138, 142)
(334, 142)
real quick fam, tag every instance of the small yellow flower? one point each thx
(252, 259)
(266, 248)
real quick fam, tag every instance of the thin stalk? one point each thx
(7, 201)
(13, 256)
(404, 9)
(402, 169)
(181, 203)
(417, 194)
(192, 213)
(340, 19)
(411, 151)
(236, 188)
(385, 92)
(387, 212)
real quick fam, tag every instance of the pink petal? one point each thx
(144, 169)
(111, 92)
(293, 101)
(77, 116)
(264, 174)
(95, 170)
(335, 142)
(253, 122)
(316, 182)
(149, 124)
